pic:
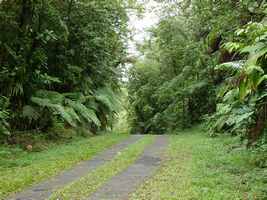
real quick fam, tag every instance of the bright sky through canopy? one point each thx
(141, 25)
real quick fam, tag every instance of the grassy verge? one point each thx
(203, 168)
(19, 169)
(90, 183)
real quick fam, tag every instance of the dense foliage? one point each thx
(63, 75)
(60, 63)
(205, 60)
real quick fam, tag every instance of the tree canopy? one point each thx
(60, 62)
(204, 62)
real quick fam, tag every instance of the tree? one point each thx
(59, 61)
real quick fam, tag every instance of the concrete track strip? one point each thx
(123, 184)
(43, 190)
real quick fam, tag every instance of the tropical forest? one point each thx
(133, 99)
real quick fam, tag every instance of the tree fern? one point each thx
(31, 113)
(88, 114)
(107, 97)
(67, 114)
(71, 111)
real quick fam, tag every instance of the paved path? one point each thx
(44, 190)
(123, 184)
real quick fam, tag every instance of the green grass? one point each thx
(198, 167)
(20, 169)
(90, 183)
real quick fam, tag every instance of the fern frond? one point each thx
(87, 113)
(65, 114)
(30, 113)
(107, 97)
(54, 102)
(52, 96)
(70, 110)
(4, 115)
